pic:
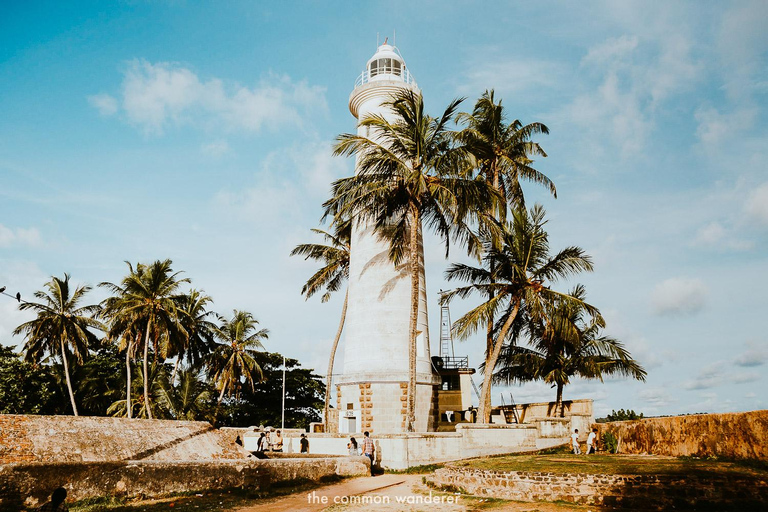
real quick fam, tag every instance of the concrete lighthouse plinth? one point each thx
(373, 388)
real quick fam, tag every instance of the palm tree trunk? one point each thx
(175, 369)
(146, 369)
(329, 376)
(559, 400)
(128, 380)
(485, 395)
(66, 373)
(218, 403)
(414, 262)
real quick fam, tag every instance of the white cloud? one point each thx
(155, 96)
(709, 377)
(715, 235)
(745, 377)
(716, 129)
(756, 206)
(657, 397)
(29, 237)
(104, 103)
(611, 50)
(679, 296)
(216, 148)
(755, 355)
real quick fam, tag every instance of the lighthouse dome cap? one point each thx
(386, 51)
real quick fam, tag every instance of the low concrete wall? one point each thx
(638, 492)
(32, 483)
(735, 435)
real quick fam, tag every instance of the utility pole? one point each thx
(282, 424)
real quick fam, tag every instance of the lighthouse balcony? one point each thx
(383, 72)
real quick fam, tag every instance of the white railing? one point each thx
(366, 76)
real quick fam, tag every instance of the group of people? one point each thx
(591, 442)
(368, 448)
(268, 441)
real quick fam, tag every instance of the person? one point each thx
(268, 446)
(278, 442)
(592, 441)
(239, 441)
(262, 444)
(304, 444)
(575, 442)
(369, 449)
(57, 502)
(352, 447)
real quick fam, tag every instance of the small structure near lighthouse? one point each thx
(372, 390)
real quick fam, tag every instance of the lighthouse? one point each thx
(373, 388)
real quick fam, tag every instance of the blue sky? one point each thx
(201, 132)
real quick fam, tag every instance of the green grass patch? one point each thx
(416, 470)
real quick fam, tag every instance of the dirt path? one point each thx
(395, 493)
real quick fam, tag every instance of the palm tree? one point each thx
(503, 155)
(232, 361)
(190, 399)
(409, 174)
(515, 276)
(149, 406)
(198, 342)
(570, 346)
(334, 272)
(61, 326)
(145, 305)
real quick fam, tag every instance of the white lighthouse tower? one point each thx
(372, 390)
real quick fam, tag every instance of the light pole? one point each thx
(282, 423)
(17, 296)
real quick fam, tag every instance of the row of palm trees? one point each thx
(417, 172)
(147, 316)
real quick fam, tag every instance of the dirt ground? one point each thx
(395, 493)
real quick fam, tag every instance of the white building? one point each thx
(372, 390)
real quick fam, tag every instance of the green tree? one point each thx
(191, 399)
(198, 341)
(62, 327)
(568, 345)
(263, 404)
(515, 276)
(332, 275)
(233, 361)
(27, 388)
(144, 308)
(503, 155)
(147, 405)
(409, 174)
(100, 380)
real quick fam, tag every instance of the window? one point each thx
(374, 68)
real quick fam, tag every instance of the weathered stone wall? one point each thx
(735, 435)
(28, 438)
(32, 483)
(638, 492)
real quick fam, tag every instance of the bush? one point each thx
(610, 443)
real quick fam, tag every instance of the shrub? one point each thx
(610, 443)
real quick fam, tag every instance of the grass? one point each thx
(415, 470)
(563, 462)
(200, 501)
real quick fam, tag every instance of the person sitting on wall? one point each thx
(352, 447)
(575, 442)
(304, 444)
(277, 445)
(239, 441)
(57, 502)
(261, 446)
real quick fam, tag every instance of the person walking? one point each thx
(304, 444)
(369, 450)
(575, 442)
(592, 441)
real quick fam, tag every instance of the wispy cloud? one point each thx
(679, 296)
(709, 377)
(155, 96)
(755, 355)
(757, 205)
(29, 237)
(216, 148)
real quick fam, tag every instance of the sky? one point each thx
(202, 132)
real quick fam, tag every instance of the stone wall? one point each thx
(28, 438)
(639, 492)
(32, 483)
(735, 435)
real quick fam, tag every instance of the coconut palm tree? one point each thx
(232, 360)
(570, 345)
(144, 309)
(334, 272)
(409, 175)
(515, 276)
(503, 155)
(149, 406)
(61, 327)
(190, 399)
(198, 342)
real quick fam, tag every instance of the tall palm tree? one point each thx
(190, 399)
(570, 346)
(144, 309)
(503, 155)
(515, 276)
(409, 174)
(334, 272)
(153, 406)
(233, 361)
(198, 342)
(61, 327)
